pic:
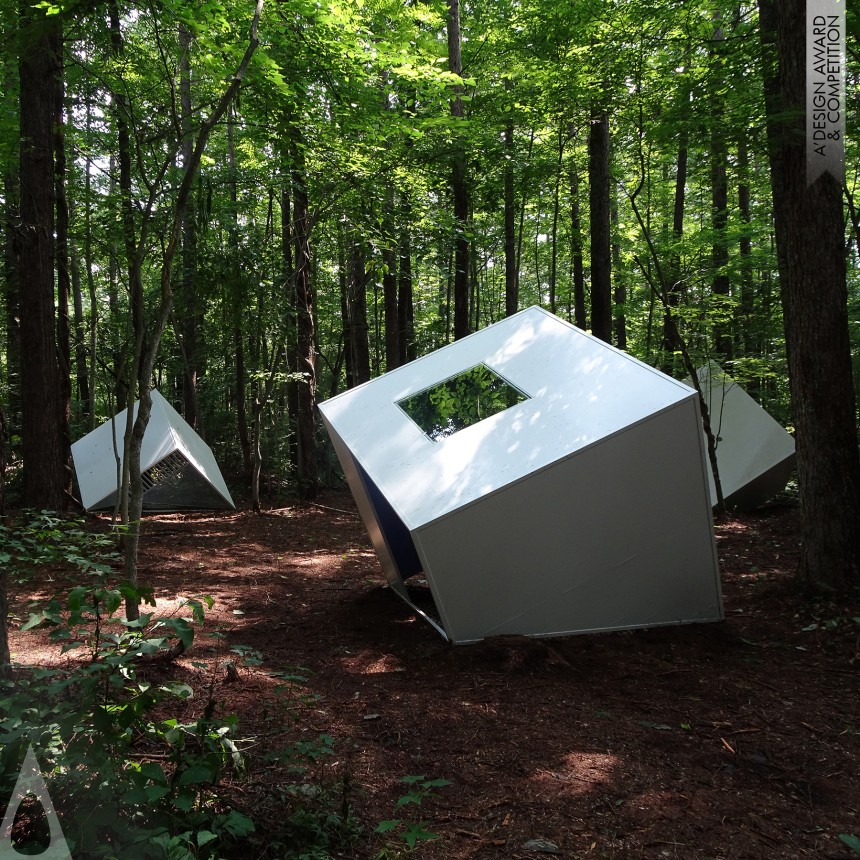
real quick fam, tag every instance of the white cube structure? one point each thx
(178, 468)
(755, 454)
(582, 507)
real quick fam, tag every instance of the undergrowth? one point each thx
(129, 773)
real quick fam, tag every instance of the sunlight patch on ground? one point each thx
(580, 772)
(371, 664)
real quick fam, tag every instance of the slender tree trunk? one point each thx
(306, 353)
(556, 205)
(405, 303)
(580, 317)
(64, 284)
(12, 298)
(720, 285)
(620, 293)
(188, 302)
(599, 191)
(811, 256)
(359, 344)
(41, 435)
(747, 303)
(389, 283)
(289, 276)
(512, 275)
(674, 287)
(459, 186)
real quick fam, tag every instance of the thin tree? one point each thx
(599, 191)
(459, 186)
(147, 332)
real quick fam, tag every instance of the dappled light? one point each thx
(676, 739)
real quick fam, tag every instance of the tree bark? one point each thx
(358, 343)
(190, 315)
(41, 436)
(512, 275)
(674, 287)
(748, 335)
(811, 257)
(620, 293)
(580, 318)
(405, 303)
(12, 298)
(306, 352)
(64, 284)
(599, 190)
(459, 186)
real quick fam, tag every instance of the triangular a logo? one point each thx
(30, 781)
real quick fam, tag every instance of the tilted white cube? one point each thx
(755, 454)
(583, 507)
(179, 469)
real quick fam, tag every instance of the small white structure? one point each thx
(581, 506)
(755, 454)
(178, 468)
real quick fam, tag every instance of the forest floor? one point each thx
(739, 739)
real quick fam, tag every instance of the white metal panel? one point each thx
(615, 536)
(580, 391)
(195, 450)
(755, 454)
(95, 455)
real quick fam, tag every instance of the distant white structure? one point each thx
(755, 454)
(178, 468)
(582, 505)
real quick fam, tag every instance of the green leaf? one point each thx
(386, 826)
(196, 773)
(238, 825)
(851, 841)
(205, 836)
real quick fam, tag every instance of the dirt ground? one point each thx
(732, 740)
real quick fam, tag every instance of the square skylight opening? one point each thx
(461, 401)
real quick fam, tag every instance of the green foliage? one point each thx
(126, 781)
(409, 833)
(460, 401)
(44, 538)
(853, 842)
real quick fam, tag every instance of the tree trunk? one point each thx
(598, 196)
(580, 318)
(405, 303)
(811, 258)
(459, 187)
(748, 335)
(512, 275)
(64, 285)
(720, 285)
(389, 283)
(620, 294)
(306, 352)
(674, 287)
(41, 436)
(358, 344)
(12, 298)
(289, 276)
(556, 205)
(188, 302)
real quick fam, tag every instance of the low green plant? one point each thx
(44, 537)
(125, 782)
(409, 833)
(853, 842)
